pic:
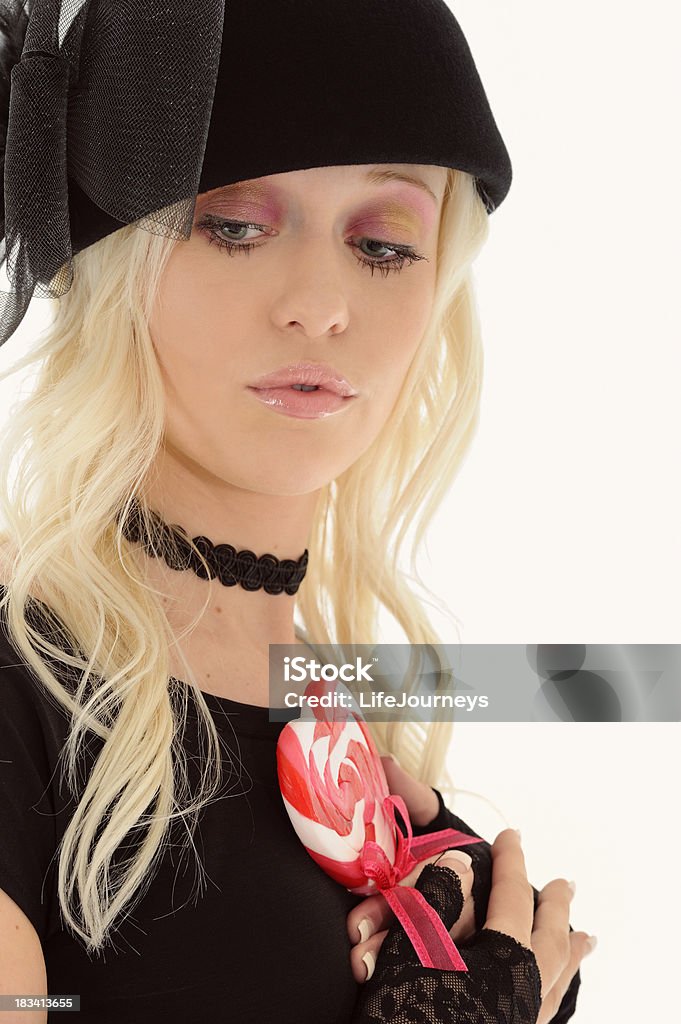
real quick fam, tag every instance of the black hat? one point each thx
(122, 112)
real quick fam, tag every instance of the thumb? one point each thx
(440, 884)
(420, 799)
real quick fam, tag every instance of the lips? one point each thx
(315, 404)
(318, 376)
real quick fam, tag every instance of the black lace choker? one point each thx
(172, 543)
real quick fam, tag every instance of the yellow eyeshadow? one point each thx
(397, 217)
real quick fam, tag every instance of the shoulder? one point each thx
(32, 733)
(26, 705)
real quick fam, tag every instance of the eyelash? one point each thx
(211, 224)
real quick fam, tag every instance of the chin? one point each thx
(286, 476)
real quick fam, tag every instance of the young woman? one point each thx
(235, 417)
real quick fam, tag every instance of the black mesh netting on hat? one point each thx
(112, 98)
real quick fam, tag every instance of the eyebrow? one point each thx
(376, 176)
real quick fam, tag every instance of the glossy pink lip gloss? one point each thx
(306, 405)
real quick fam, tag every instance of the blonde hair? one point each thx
(78, 449)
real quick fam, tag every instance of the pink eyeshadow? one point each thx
(404, 209)
(245, 201)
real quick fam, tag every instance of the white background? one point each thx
(563, 525)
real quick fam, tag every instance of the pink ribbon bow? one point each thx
(421, 922)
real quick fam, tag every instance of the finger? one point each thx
(464, 865)
(442, 886)
(368, 917)
(579, 948)
(422, 803)
(511, 900)
(374, 913)
(464, 925)
(363, 956)
(553, 906)
(551, 931)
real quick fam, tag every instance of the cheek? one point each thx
(392, 337)
(188, 325)
(395, 329)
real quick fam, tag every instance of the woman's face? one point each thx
(301, 267)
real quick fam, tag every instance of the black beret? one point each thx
(136, 108)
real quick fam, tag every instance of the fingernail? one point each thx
(518, 832)
(572, 887)
(464, 859)
(393, 758)
(591, 944)
(370, 962)
(364, 929)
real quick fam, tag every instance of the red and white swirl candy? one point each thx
(337, 797)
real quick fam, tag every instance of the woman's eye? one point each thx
(226, 232)
(217, 229)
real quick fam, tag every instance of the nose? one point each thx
(320, 328)
(313, 301)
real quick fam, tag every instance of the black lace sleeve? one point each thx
(501, 986)
(481, 854)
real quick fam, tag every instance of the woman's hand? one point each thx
(369, 921)
(520, 963)
(557, 950)
(428, 814)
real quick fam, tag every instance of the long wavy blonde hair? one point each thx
(79, 447)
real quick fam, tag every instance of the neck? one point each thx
(263, 523)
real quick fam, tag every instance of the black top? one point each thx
(264, 942)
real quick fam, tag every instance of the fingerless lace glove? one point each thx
(481, 855)
(502, 984)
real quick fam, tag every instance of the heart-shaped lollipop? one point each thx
(337, 797)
